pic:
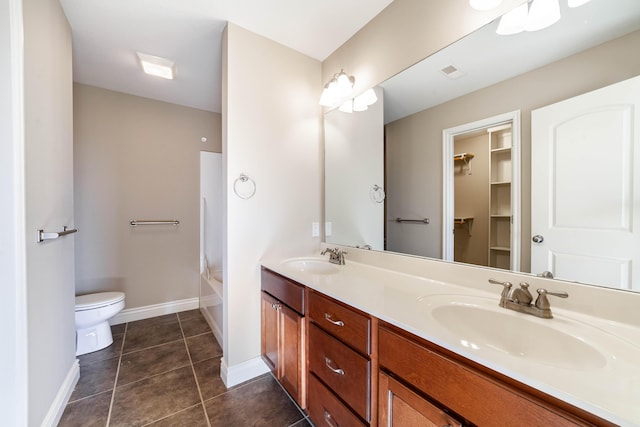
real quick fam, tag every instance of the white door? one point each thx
(585, 216)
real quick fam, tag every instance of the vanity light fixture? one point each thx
(542, 14)
(530, 16)
(157, 66)
(484, 4)
(337, 89)
(360, 102)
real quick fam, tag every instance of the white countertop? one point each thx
(610, 390)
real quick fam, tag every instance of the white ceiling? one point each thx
(107, 34)
(486, 58)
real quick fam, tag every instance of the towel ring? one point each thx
(377, 194)
(248, 192)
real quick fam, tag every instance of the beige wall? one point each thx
(402, 34)
(421, 133)
(271, 132)
(48, 155)
(136, 158)
(471, 199)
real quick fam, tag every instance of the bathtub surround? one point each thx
(137, 158)
(210, 299)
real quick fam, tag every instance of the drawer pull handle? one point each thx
(329, 362)
(329, 419)
(327, 316)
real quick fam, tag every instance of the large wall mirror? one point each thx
(385, 167)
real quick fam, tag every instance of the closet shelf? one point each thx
(464, 220)
(465, 157)
(501, 150)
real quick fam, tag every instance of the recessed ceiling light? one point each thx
(157, 66)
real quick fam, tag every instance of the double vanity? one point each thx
(386, 341)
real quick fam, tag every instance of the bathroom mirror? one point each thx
(590, 47)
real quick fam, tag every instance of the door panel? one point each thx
(583, 176)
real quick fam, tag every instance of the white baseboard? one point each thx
(139, 313)
(237, 374)
(62, 397)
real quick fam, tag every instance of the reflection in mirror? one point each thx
(592, 46)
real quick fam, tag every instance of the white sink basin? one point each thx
(479, 324)
(317, 266)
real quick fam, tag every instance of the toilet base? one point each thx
(93, 338)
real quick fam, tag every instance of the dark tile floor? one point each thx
(165, 371)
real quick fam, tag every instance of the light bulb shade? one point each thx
(577, 3)
(484, 4)
(542, 14)
(326, 100)
(362, 102)
(514, 21)
(347, 107)
(344, 83)
(359, 104)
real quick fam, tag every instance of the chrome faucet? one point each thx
(520, 299)
(336, 256)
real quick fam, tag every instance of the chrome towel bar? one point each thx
(136, 222)
(42, 235)
(423, 221)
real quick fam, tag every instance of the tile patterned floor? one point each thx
(165, 371)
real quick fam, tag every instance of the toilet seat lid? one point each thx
(89, 301)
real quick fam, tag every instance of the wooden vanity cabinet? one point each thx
(462, 389)
(342, 363)
(283, 333)
(401, 406)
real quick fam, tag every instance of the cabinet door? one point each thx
(292, 355)
(270, 325)
(401, 407)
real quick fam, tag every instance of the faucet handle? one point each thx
(507, 285)
(543, 302)
(504, 296)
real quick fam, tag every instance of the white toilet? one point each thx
(93, 312)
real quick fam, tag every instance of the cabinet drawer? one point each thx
(340, 321)
(342, 369)
(325, 409)
(287, 291)
(479, 398)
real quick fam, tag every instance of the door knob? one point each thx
(537, 238)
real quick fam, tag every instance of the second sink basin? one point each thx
(480, 325)
(311, 265)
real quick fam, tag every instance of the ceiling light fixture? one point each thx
(530, 16)
(157, 66)
(484, 4)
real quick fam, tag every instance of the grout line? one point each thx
(170, 415)
(195, 376)
(115, 382)
(150, 347)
